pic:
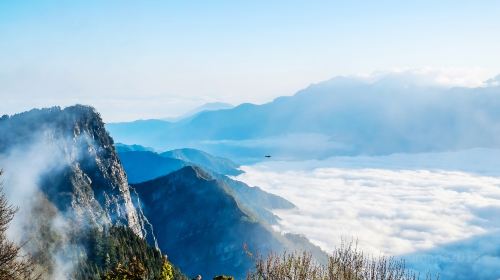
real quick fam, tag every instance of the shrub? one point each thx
(223, 277)
(345, 263)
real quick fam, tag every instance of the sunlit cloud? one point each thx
(432, 76)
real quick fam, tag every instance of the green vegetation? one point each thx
(167, 270)
(118, 254)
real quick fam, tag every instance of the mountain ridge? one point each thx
(190, 209)
(212, 106)
(197, 157)
(339, 117)
(142, 166)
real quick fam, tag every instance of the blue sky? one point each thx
(144, 59)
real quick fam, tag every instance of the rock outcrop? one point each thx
(88, 183)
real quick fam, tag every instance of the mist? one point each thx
(25, 167)
(44, 163)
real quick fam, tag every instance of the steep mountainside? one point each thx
(62, 171)
(256, 201)
(89, 180)
(204, 229)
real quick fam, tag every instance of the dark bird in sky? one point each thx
(267, 156)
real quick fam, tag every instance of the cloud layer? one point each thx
(417, 208)
(431, 76)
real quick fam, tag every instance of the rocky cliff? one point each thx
(87, 184)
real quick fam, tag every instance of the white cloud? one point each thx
(432, 76)
(393, 211)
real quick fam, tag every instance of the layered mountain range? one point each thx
(142, 166)
(341, 116)
(62, 169)
(205, 220)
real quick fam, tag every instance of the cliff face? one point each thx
(89, 184)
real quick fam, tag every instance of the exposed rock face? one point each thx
(88, 184)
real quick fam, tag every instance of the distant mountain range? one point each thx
(342, 116)
(120, 148)
(213, 106)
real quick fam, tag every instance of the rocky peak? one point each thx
(90, 181)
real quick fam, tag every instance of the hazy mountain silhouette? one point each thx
(213, 106)
(342, 116)
(120, 148)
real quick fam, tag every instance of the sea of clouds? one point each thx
(441, 211)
